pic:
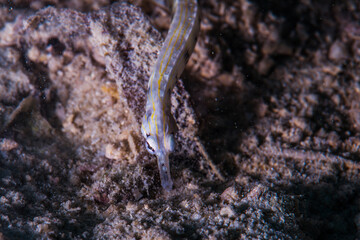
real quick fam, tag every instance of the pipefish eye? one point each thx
(150, 145)
(149, 148)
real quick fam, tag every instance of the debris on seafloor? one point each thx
(276, 93)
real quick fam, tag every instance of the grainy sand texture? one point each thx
(267, 110)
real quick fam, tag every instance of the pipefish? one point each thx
(158, 125)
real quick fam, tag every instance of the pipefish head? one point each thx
(160, 142)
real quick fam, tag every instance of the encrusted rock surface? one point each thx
(275, 90)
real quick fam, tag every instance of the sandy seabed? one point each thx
(268, 116)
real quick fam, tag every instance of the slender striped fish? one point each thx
(158, 124)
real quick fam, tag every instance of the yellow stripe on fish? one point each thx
(158, 123)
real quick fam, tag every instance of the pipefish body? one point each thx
(158, 124)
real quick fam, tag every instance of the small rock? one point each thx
(265, 65)
(227, 212)
(230, 194)
(337, 51)
(8, 144)
(112, 153)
